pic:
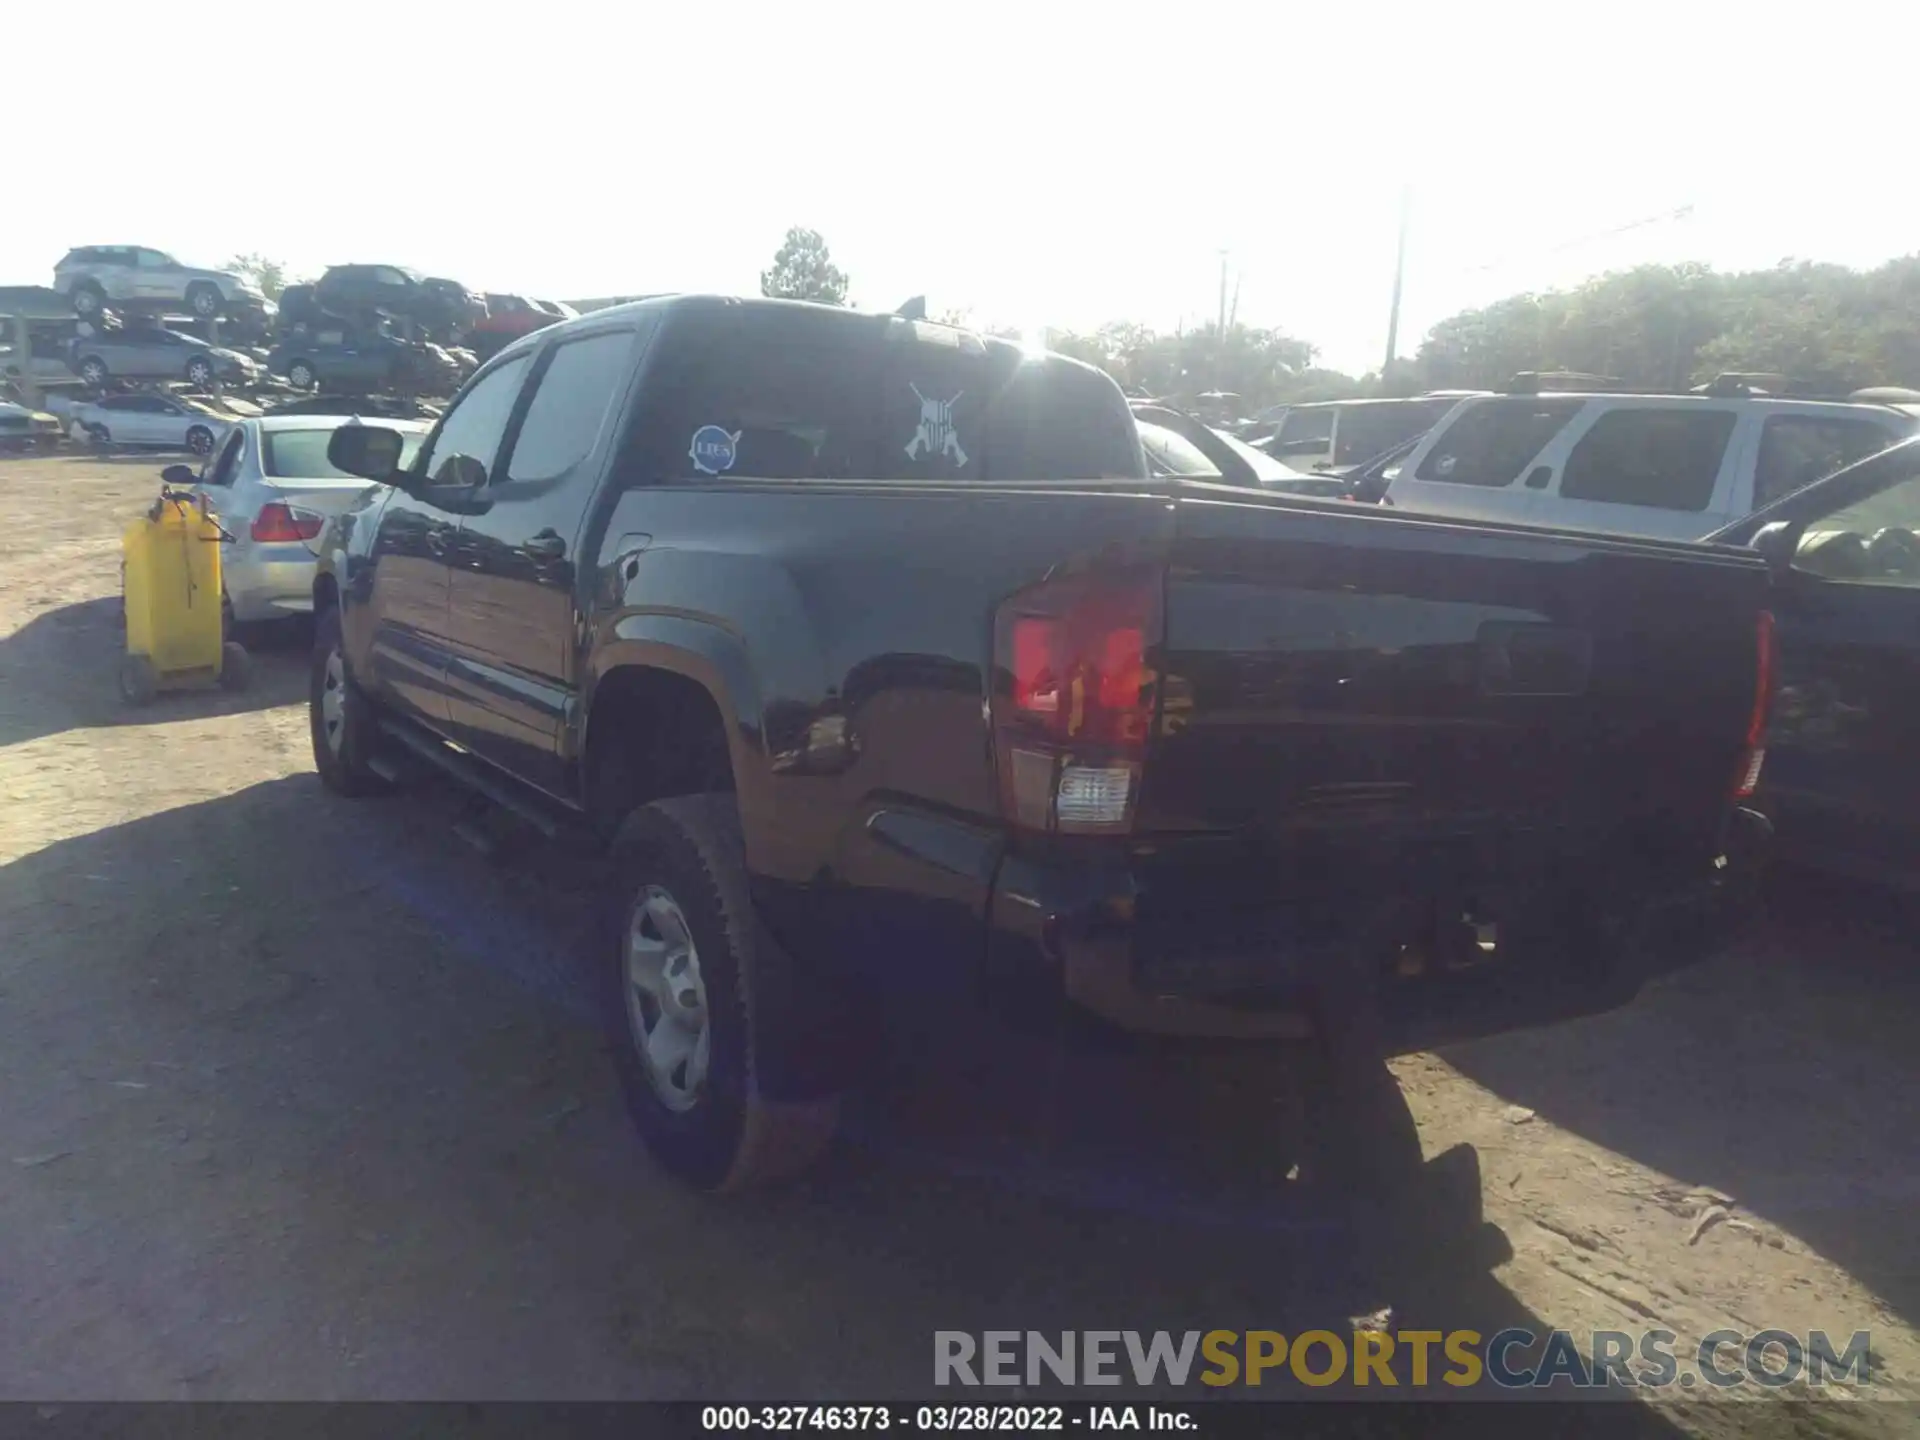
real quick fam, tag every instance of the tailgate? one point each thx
(1474, 690)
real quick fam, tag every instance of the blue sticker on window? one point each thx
(713, 449)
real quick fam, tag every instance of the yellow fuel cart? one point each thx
(171, 586)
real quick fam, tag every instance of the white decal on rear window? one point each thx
(936, 434)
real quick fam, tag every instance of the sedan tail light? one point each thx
(279, 522)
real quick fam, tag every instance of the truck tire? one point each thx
(690, 965)
(340, 717)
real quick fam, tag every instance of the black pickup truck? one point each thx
(890, 675)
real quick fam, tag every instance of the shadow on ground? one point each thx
(58, 672)
(1785, 1074)
(307, 1099)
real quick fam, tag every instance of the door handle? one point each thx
(546, 545)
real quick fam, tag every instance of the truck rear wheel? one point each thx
(690, 965)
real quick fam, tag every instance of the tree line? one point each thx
(1827, 326)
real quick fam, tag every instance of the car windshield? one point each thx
(302, 454)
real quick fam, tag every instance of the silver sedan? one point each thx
(271, 487)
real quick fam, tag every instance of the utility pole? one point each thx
(1220, 335)
(1399, 280)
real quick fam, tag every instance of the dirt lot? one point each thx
(305, 1099)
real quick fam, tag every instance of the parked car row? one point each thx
(359, 327)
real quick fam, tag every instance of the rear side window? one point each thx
(759, 393)
(1796, 450)
(778, 394)
(575, 392)
(1491, 444)
(954, 409)
(1666, 459)
(1051, 419)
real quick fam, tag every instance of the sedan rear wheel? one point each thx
(301, 374)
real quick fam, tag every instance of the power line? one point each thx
(1664, 217)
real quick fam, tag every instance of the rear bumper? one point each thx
(1171, 946)
(269, 582)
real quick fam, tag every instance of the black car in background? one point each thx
(442, 309)
(1841, 776)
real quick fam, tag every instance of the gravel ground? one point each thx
(306, 1099)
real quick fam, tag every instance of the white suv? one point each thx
(97, 276)
(1671, 466)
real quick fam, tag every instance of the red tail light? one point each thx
(1074, 699)
(278, 522)
(1755, 753)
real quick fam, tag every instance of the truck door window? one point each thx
(569, 405)
(1796, 450)
(461, 455)
(1490, 444)
(1667, 459)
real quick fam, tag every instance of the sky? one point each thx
(1036, 164)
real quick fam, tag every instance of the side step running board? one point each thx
(468, 772)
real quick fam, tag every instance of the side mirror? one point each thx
(370, 451)
(180, 477)
(1777, 542)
